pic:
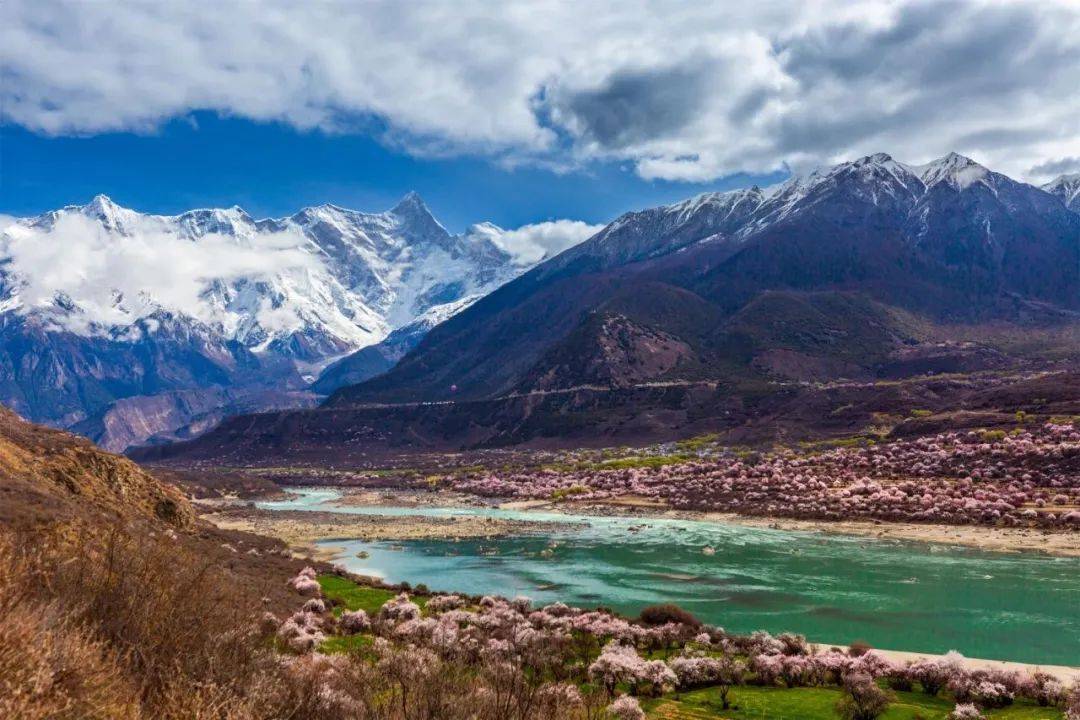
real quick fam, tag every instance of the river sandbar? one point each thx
(302, 529)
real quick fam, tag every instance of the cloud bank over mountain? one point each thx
(677, 91)
(529, 244)
(111, 275)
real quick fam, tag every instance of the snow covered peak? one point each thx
(310, 286)
(100, 204)
(1070, 180)
(411, 203)
(413, 213)
(877, 158)
(876, 169)
(724, 205)
(871, 189)
(1066, 187)
(879, 167)
(956, 170)
(877, 179)
(409, 225)
(111, 215)
(233, 222)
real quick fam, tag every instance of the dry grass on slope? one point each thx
(48, 474)
(126, 627)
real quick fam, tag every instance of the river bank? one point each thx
(836, 587)
(1061, 543)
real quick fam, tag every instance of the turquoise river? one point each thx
(831, 588)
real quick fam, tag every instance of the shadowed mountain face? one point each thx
(761, 315)
(374, 360)
(873, 240)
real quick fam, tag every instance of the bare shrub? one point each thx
(124, 625)
(49, 666)
(668, 613)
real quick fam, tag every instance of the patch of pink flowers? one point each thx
(305, 582)
(1028, 478)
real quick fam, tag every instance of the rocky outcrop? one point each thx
(180, 415)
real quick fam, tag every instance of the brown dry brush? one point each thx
(50, 667)
(117, 625)
(126, 624)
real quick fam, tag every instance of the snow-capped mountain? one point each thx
(311, 286)
(100, 302)
(865, 271)
(1066, 187)
(866, 192)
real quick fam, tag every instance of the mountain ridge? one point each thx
(970, 244)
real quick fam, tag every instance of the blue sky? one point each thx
(273, 169)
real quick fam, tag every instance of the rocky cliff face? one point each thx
(181, 414)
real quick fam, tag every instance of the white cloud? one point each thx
(281, 319)
(114, 279)
(686, 91)
(529, 244)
